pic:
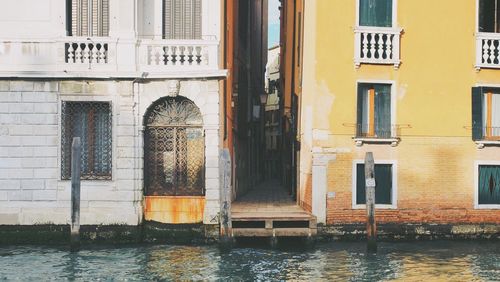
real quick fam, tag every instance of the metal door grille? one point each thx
(174, 149)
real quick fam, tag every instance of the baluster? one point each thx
(92, 53)
(388, 46)
(372, 46)
(204, 55)
(497, 52)
(190, 56)
(85, 54)
(169, 55)
(102, 54)
(364, 52)
(492, 52)
(71, 54)
(78, 54)
(182, 56)
(485, 51)
(380, 46)
(162, 59)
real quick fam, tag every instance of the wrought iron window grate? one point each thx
(92, 122)
(174, 149)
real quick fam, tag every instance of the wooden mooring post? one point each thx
(371, 226)
(226, 233)
(76, 151)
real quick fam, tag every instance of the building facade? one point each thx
(138, 82)
(419, 91)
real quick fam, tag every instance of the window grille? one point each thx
(182, 19)
(89, 17)
(174, 149)
(91, 121)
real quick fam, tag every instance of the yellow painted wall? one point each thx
(433, 95)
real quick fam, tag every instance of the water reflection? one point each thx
(432, 261)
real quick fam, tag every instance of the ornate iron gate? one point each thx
(174, 148)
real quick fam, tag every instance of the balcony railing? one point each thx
(487, 50)
(86, 51)
(377, 45)
(107, 56)
(370, 131)
(181, 54)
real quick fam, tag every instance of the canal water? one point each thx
(415, 261)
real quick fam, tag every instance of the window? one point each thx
(374, 111)
(385, 183)
(91, 121)
(182, 19)
(489, 16)
(375, 13)
(485, 113)
(88, 17)
(488, 189)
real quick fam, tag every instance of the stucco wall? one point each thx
(432, 95)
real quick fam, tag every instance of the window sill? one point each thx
(487, 207)
(379, 207)
(483, 143)
(361, 140)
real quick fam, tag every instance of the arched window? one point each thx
(174, 148)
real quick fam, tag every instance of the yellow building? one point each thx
(418, 84)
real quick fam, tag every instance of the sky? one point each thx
(273, 23)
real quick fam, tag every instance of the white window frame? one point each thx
(394, 141)
(476, 185)
(394, 15)
(394, 195)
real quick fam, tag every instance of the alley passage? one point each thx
(268, 211)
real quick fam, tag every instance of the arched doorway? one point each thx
(174, 161)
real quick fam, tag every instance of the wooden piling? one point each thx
(75, 193)
(226, 234)
(371, 226)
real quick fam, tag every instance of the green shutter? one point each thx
(477, 113)
(360, 184)
(359, 112)
(375, 13)
(383, 110)
(489, 185)
(383, 182)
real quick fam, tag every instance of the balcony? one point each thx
(109, 57)
(368, 133)
(178, 55)
(377, 45)
(487, 50)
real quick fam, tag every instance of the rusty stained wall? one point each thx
(174, 210)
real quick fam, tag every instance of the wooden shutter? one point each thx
(477, 113)
(90, 17)
(359, 111)
(182, 19)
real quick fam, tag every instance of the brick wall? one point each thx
(435, 181)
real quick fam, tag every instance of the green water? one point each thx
(415, 261)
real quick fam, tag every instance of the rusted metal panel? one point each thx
(175, 210)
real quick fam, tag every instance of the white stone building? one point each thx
(105, 70)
